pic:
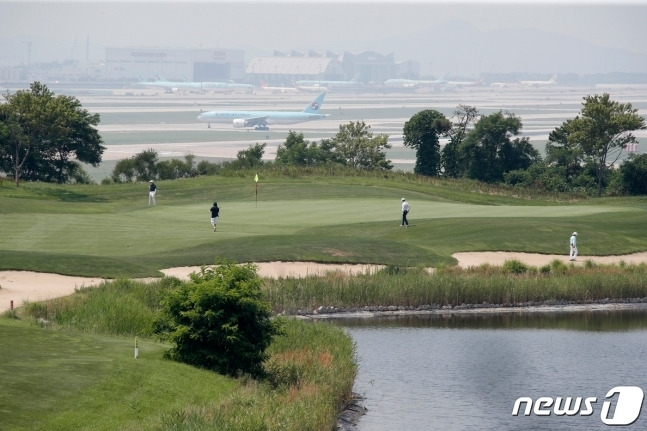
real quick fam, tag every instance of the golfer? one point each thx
(152, 188)
(573, 243)
(405, 210)
(215, 212)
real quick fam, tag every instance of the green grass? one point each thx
(79, 371)
(109, 230)
(53, 380)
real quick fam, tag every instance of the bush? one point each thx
(218, 320)
(514, 267)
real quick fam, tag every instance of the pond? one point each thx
(467, 371)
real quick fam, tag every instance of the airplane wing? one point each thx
(260, 122)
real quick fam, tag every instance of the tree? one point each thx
(14, 143)
(564, 156)
(45, 137)
(356, 145)
(633, 173)
(422, 132)
(219, 320)
(464, 115)
(251, 157)
(488, 151)
(146, 165)
(296, 151)
(602, 130)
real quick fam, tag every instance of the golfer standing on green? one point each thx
(573, 243)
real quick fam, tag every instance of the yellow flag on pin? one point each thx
(256, 178)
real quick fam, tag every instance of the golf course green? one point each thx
(110, 231)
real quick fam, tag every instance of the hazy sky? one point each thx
(61, 30)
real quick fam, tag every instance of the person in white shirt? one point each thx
(405, 210)
(573, 243)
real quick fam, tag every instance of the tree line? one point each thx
(44, 137)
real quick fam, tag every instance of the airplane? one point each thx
(260, 120)
(414, 83)
(311, 88)
(174, 86)
(353, 83)
(227, 86)
(460, 84)
(551, 81)
(281, 89)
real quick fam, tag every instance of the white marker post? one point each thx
(136, 348)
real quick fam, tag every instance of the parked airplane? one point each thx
(227, 86)
(261, 119)
(311, 88)
(174, 86)
(460, 84)
(281, 89)
(332, 85)
(551, 81)
(414, 83)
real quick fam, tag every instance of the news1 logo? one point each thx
(626, 409)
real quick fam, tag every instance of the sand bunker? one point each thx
(20, 286)
(498, 258)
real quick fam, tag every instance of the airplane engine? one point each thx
(238, 123)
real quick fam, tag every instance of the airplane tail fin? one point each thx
(313, 107)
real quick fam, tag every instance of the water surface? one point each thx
(465, 371)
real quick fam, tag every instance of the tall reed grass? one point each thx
(512, 284)
(312, 372)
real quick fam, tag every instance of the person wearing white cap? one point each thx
(405, 210)
(152, 188)
(573, 243)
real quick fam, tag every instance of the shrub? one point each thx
(218, 320)
(514, 267)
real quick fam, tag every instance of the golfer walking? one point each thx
(405, 210)
(573, 243)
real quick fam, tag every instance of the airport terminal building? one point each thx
(216, 64)
(174, 64)
(370, 66)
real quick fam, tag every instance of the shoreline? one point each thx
(552, 306)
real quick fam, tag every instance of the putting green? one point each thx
(164, 227)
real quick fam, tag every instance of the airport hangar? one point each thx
(200, 65)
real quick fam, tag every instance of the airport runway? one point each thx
(134, 120)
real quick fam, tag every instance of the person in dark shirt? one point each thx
(152, 188)
(215, 212)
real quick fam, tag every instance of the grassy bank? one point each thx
(80, 373)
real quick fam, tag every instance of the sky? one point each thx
(59, 30)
